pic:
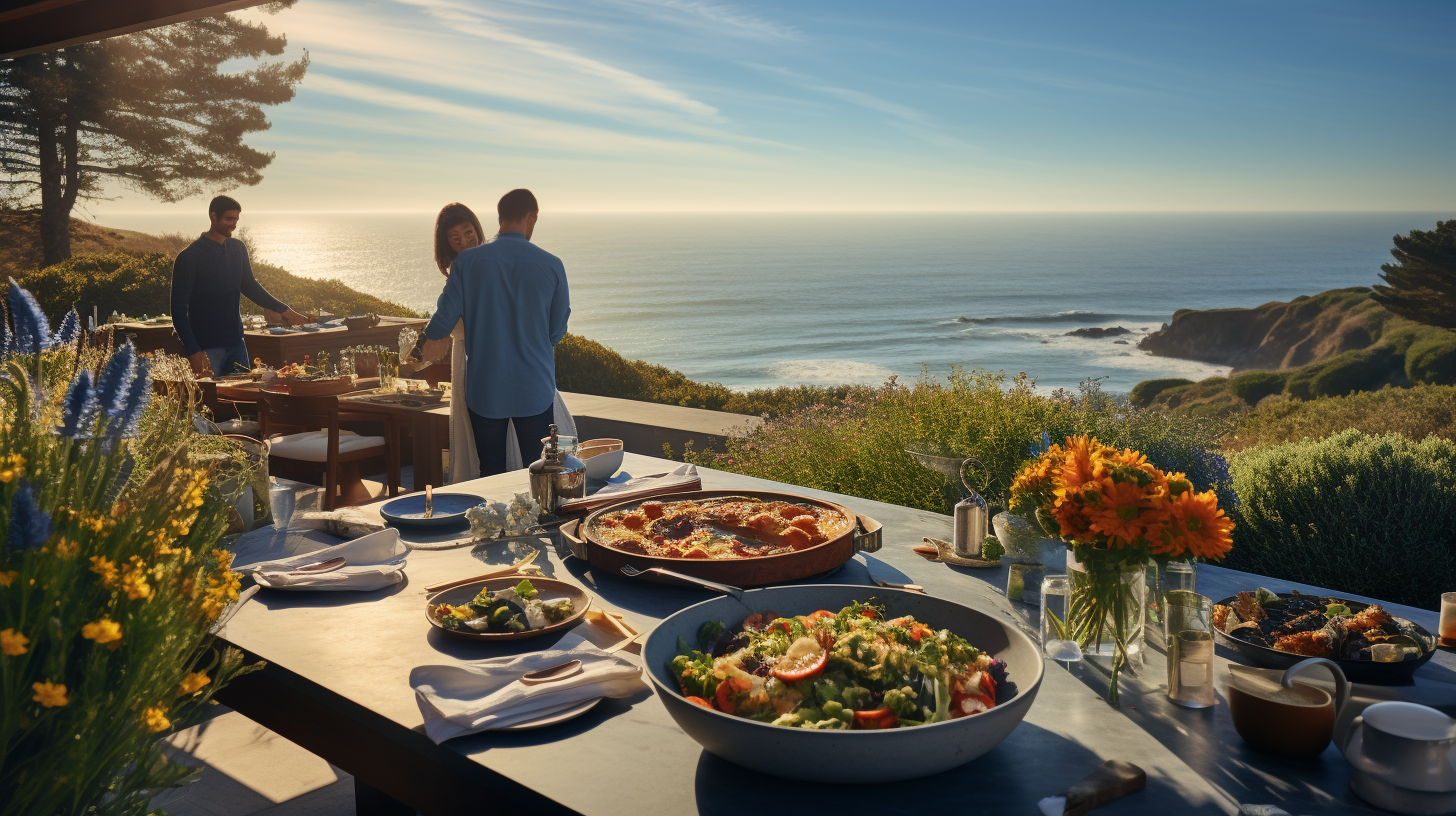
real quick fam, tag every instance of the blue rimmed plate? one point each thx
(409, 511)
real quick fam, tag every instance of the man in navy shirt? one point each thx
(208, 278)
(513, 299)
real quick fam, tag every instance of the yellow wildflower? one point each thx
(66, 548)
(50, 694)
(135, 581)
(103, 631)
(103, 566)
(8, 578)
(7, 476)
(156, 720)
(13, 643)
(194, 681)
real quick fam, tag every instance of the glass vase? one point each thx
(1106, 615)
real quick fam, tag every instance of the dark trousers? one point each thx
(490, 438)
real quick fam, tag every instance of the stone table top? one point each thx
(629, 757)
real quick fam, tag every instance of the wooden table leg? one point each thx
(371, 802)
(425, 436)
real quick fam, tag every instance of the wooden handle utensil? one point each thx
(1113, 779)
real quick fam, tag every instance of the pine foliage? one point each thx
(1421, 285)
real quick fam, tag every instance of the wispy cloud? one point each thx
(724, 18)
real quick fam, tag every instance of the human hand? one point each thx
(293, 318)
(435, 349)
(201, 366)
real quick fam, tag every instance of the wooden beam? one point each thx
(45, 25)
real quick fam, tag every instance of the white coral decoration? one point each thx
(495, 519)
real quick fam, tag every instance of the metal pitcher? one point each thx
(557, 476)
(971, 515)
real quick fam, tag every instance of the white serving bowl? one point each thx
(603, 457)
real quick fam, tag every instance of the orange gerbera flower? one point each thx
(1120, 513)
(1203, 528)
(1079, 462)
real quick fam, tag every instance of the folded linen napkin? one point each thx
(372, 562)
(685, 477)
(486, 694)
(346, 522)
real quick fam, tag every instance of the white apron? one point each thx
(464, 463)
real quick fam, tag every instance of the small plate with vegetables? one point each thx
(508, 608)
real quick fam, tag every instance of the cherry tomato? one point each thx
(964, 705)
(876, 719)
(699, 701)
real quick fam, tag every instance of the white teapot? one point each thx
(1404, 756)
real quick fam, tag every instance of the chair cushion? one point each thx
(313, 446)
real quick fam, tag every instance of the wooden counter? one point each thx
(277, 350)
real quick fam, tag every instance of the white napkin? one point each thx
(683, 474)
(372, 562)
(483, 695)
(346, 522)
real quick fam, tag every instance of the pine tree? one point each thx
(1422, 284)
(151, 110)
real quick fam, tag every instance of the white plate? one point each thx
(558, 716)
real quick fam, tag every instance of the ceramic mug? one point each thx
(1286, 718)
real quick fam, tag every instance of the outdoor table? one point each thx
(429, 429)
(277, 350)
(336, 683)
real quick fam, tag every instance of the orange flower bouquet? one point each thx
(1115, 511)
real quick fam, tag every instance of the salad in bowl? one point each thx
(855, 669)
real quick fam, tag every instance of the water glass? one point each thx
(281, 501)
(1189, 617)
(1056, 600)
(1446, 630)
(1179, 574)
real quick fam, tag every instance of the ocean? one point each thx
(782, 299)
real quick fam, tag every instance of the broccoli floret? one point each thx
(902, 701)
(857, 698)
(524, 590)
(828, 725)
(826, 692)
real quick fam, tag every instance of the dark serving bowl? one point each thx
(1358, 671)
(408, 511)
(849, 756)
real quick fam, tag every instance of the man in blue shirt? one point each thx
(208, 278)
(513, 299)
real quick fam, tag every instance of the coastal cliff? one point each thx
(1276, 336)
(1331, 344)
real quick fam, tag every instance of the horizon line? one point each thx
(1452, 210)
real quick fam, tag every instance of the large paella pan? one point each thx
(745, 538)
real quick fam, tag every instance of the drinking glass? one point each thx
(1178, 574)
(1056, 640)
(281, 501)
(1190, 648)
(1447, 628)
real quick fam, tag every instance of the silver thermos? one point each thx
(557, 476)
(970, 518)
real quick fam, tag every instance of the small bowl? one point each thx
(603, 457)
(549, 588)
(408, 511)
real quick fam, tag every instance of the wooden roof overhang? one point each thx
(33, 26)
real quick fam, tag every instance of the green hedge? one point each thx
(1432, 360)
(1256, 385)
(1415, 413)
(1369, 515)
(141, 284)
(1146, 391)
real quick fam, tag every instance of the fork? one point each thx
(632, 572)
(890, 584)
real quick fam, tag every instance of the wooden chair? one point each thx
(319, 444)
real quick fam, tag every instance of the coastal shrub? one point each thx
(1256, 385)
(1369, 515)
(859, 446)
(1146, 391)
(1432, 360)
(141, 284)
(1415, 413)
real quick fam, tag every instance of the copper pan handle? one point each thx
(575, 543)
(867, 534)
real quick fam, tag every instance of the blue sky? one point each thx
(708, 105)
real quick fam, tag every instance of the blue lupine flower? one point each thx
(70, 327)
(32, 330)
(137, 398)
(5, 338)
(29, 525)
(115, 380)
(78, 412)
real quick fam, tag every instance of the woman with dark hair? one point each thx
(456, 230)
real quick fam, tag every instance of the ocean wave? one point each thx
(829, 372)
(1073, 316)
